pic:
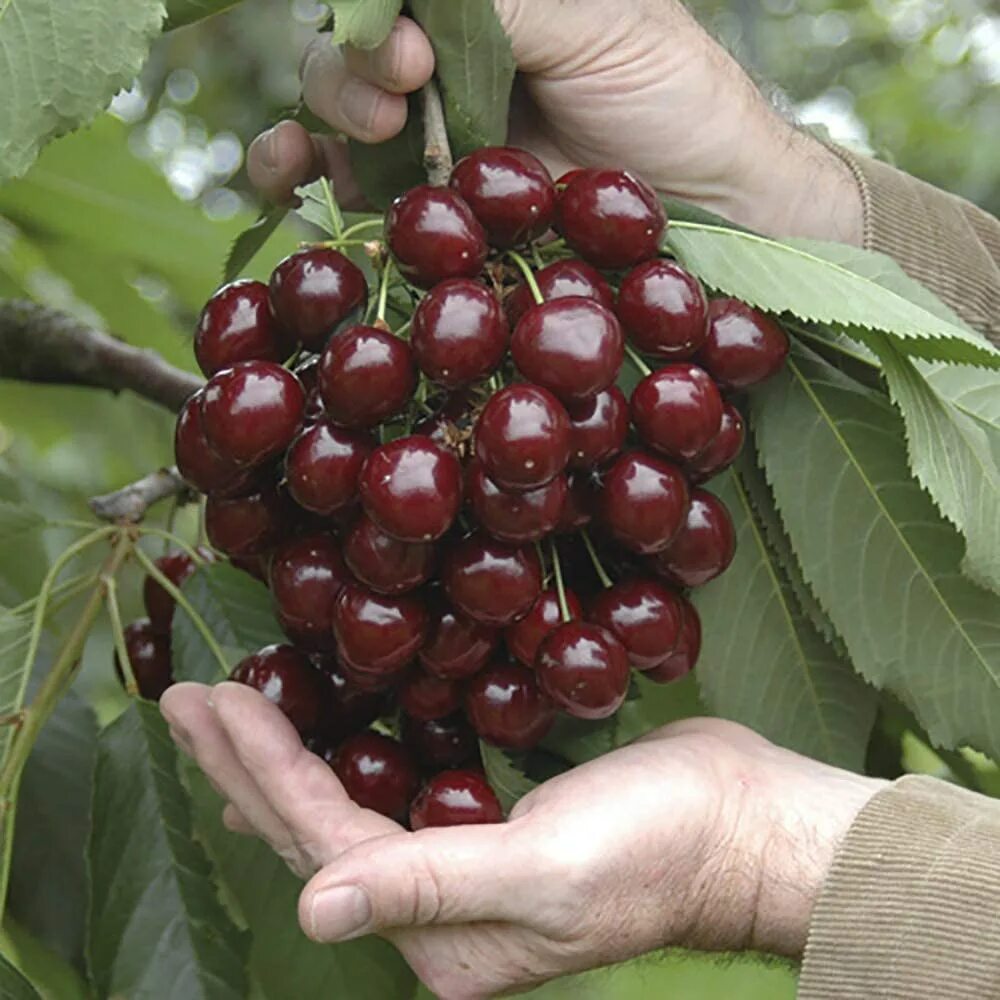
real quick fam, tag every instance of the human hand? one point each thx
(701, 834)
(637, 84)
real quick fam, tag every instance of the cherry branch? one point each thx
(130, 503)
(437, 151)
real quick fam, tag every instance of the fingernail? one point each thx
(180, 736)
(357, 103)
(340, 913)
(268, 146)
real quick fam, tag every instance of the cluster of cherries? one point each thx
(417, 501)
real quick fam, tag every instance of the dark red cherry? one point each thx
(611, 218)
(524, 637)
(722, 450)
(423, 696)
(598, 427)
(677, 410)
(149, 657)
(559, 280)
(744, 346)
(176, 567)
(287, 679)
(522, 437)
(513, 517)
(251, 412)
(307, 372)
(380, 683)
(365, 376)
(347, 709)
(433, 235)
(384, 563)
(378, 774)
(236, 325)
(581, 501)
(412, 488)
(490, 581)
(663, 310)
(685, 654)
(644, 616)
(314, 291)
(455, 798)
(644, 501)
(459, 333)
(573, 347)
(323, 466)
(507, 707)
(246, 526)
(438, 743)
(305, 574)
(509, 191)
(584, 669)
(377, 633)
(198, 463)
(456, 647)
(569, 176)
(703, 548)
(255, 566)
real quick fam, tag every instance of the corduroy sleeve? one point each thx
(911, 907)
(943, 241)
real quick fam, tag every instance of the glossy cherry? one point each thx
(346, 708)
(584, 669)
(611, 218)
(200, 465)
(378, 774)
(456, 646)
(236, 324)
(515, 517)
(722, 450)
(459, 333)
(571, 346)
(522, 437)
(365, 376)
(440, 743)
(246, 526)
(744, 346)
(598, 427)
(581, 502)
(382, 683)
(684, 655)
(384, 563)
(251, 412)
(644, 501)
(412, 488)
(376, 633)
(307, 372)
(559, 280)
(323, 466)
(524, 637)
(663, 310)
(703, 548)
(176, 566)
(149, 657)
(677, 410)
(433, 235)
(490, 581)
(509, 191)
(314, 291)
(455, 798)
(644, 616)
(284, 676)
(424, 696)
(507, 707)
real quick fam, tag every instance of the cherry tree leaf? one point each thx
(363, 23)
(248, 244)
(184, 12)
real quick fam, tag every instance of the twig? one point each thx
(39, 344)
(437, 152)
(130, 503)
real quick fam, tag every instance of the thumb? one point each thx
(435, 876)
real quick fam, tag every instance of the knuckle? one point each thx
(427, 899)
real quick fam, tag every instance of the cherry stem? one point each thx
(529, 276)
(637, 361)
(437, 152)
(383, 291)
(537, 257)
(336, 219)
(357, 228)
(601, 572)
(118, 633)
(560, 586)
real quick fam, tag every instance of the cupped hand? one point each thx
(701, 834)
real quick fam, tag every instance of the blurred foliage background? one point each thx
(126, 225)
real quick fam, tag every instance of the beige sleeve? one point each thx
(943, 241)
(911, 908)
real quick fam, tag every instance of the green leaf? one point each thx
(953, 457)
(785, 278)
(182, 12)
(879, 557)
(387, 169)
(248, 244)
(238, 612)
(16, 519)
(13, 986)
(508, 780)
(364, 24)
(973, 390)
(61, 62)
(320, 208)
(157, 928)
(15, 632)
(475, 68)
(766, 666)
(283, 962)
